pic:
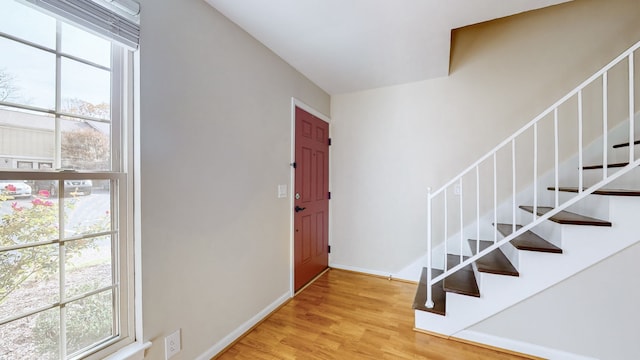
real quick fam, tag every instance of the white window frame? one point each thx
(121, 178)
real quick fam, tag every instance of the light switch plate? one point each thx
(282, 191)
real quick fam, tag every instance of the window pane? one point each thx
(86, 145)
(89, 321)
(85, 45)
(26, 219)
(65, 82)
(12, 190)
(86, 90)
(29, 279)
(45, 189)
(88, 265)
(34, 337)
(26, 136)
(28, 24)
(25, 164)
(27, 75)
(87, 209)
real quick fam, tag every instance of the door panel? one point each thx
(311, 219)
(321, 192)
(321, 247)
(305, 174)
(307, 239)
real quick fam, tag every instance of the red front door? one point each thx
(311, 203)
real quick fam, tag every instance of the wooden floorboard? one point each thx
(345, 315)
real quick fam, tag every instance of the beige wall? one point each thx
(215, 143)
(390, 144)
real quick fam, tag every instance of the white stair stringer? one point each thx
(583, 246)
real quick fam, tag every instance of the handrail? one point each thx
(606, 177)
(541, 116)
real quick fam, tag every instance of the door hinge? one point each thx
(329, 195)
(293, 165)
(329, 142)
(328, 249)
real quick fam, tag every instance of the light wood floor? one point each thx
(345, 315)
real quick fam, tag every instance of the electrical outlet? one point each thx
(172, 344)
(457, 189)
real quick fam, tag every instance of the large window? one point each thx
(65, 189)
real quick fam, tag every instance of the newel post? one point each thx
(429, 303)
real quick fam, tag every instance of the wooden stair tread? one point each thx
(626, 144)
(565, 217)
(494, 262)
(438, 295)
(528, 241)
(610, 192)
(461, 282)
(613, 165)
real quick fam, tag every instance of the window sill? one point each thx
(134, 351)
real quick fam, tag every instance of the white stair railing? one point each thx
(509, 144)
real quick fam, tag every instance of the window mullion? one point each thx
(116, 108)
(58, 164)
(57, 158)
(117, 259)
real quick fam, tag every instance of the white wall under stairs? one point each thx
(593, 314)
(583, 246)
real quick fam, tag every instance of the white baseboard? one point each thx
(518, 346)
(242, 329)
(413, 271)
(400, 276)
(360, 270)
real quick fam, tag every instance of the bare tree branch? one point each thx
(8, 89)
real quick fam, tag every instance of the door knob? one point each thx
(298, 208)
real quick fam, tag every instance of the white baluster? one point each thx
(605, 124)
(580, 165)
(495, 199)
(556, 147)
(535, 171)
(477, 209)
(631, 108)
(513, 185)
(446, 229)
(461, 221)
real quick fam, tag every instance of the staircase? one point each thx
(540, 234)
(493, 282)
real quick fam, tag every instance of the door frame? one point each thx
(298, 103)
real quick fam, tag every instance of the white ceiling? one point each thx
(351, 45)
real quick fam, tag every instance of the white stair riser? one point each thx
(629, 181)
(596, 206)
(583, 246)
(512, 254)
(548, 230)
